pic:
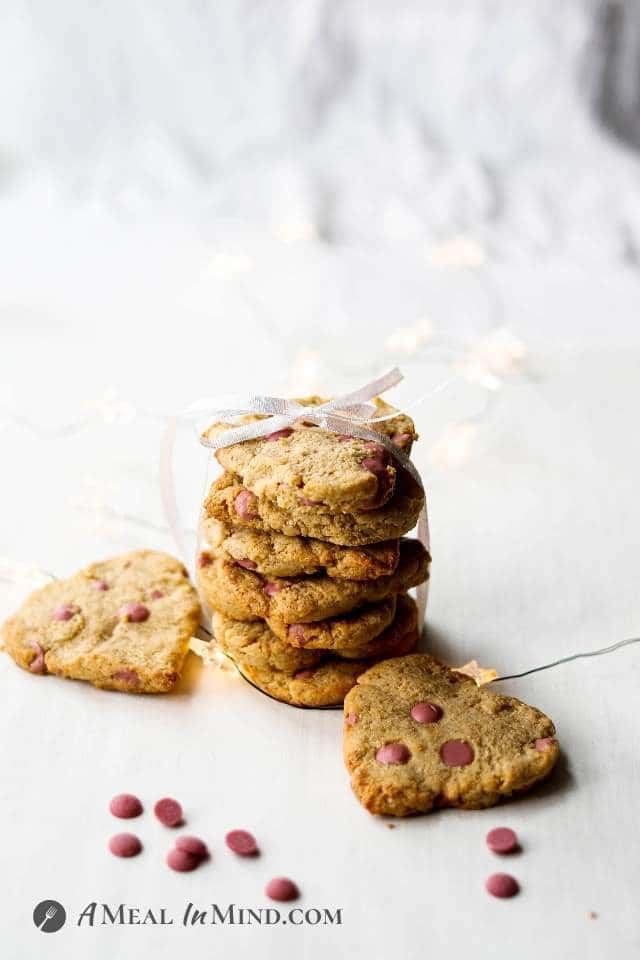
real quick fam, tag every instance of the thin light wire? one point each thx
(512, 676)
(573, 656)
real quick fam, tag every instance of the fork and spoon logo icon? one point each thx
(49, 916)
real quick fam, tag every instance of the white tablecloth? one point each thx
(535, 541)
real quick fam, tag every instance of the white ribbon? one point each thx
(349, 414)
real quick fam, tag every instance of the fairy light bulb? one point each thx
(458, 251)
(454, 445)
(408, 340)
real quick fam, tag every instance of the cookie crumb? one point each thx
(593, 915)
(390, 826)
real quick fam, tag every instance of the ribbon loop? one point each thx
(349, 414)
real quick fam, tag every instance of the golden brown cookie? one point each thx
(386, 643)
(418, 735)
(312, 466)
(245, 595)
(354, 630)
(122, 624)
(274, 554)
(233, 504)
(308, 678)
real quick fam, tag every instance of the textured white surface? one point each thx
(231, 196)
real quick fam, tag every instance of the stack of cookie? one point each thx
(304, 567)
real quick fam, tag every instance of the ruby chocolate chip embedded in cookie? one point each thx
(426, 736)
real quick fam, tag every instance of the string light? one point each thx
(408, 340)
(458, 251)
(306, 373)
(296, 230)
(113, 409)
(225, 263)
(454, 446)
(212, 656)
(481, 675)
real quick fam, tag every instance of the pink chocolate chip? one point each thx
(279, 434)
(168, 812)
(37, 665)
(194, 846)
(125, 845)
(401, 439)
(281, 888)
(456, 753)
(343, 436)
(296, 632)
(393, 753)
(182, 861)
(204, 560)
(271, 587)
(125, 806)
(126, 676)
(247, 564)
(426, 712)
(544, 743)
(306, 502)
(64, 612)
(502, 840)
(377, 465)
(502, 885)
(156, 594)
(99, 584)
(377, 450)
(134, 612)
(374, 464)
(305, 674)
(351, 718)
(245, 504)
(241, 842)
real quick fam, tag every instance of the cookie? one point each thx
(277, 555)
(245, 595)
(308, 465)
(123, 624)
(307, 678)
(418, 736)
(355, 630)
(233, 504)
(341, 642)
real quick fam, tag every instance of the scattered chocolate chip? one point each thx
(241, 842)
(280, 888)
(168, 812)
(502, 840)
(125, 806)
(125, 845)
(502, 885)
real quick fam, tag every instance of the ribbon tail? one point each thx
(422, 593)
(370, 390)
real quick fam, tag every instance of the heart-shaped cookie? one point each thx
(123, 624)
(418, 735)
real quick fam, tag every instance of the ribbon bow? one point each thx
(349, 415)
